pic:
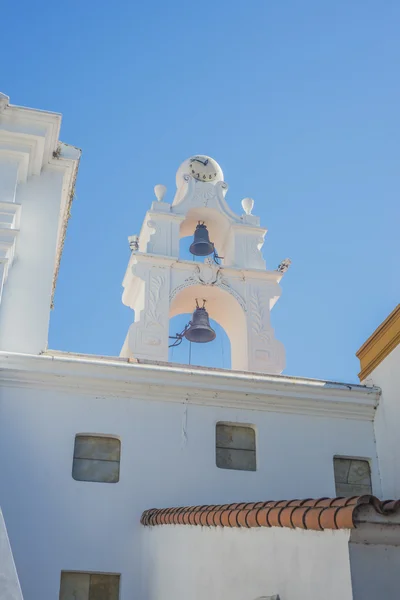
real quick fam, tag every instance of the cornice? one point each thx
(180, 384)
(37, 130)
(377, 347)
(30, 138)
(70, 166)
(9, 231)
(162, 214)
(249, 227)
(180, 264)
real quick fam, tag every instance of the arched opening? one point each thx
(215, 354)
(224, 310)
(184, 252)
(217, 225)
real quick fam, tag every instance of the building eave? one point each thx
(118, 377)
(71, 166)
(311, 514)
(31, 138)
(380, 344)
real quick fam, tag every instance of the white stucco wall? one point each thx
(168, 458)
(375, 571)
(25, 305)
(387, 422)
(244, 564)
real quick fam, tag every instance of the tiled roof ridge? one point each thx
(315, 514)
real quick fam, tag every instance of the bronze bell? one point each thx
(199, 329)
(201, 245)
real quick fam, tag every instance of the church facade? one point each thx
(132, 477)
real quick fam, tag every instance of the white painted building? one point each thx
(90, 443)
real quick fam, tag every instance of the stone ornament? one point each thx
(154, 312)
(247, 205)
(209, 274)
(133, 242)
(284, 265)
(260, 318)
(160, 191)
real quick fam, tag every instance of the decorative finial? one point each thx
(160, 191)
(247, 205)
(133, 242)
(284, 265)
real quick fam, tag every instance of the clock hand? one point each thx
(200, 161)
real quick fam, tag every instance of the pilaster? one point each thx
(265, 353)
(148, 335)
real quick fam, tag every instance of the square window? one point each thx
(89, 586)
(352, 476)
(96, 458)
(235, 447)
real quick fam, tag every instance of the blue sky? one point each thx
(298, 102)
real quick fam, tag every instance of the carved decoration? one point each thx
(225, 286)
(284, 265)
(260, 312)
(211, 275)
(204, 194)
(154, 315)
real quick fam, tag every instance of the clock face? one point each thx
(203, 168)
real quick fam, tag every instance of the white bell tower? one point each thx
(239, 293)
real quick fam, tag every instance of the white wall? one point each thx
(243, 564)
(167, 458)
(25, 305)
(375, 571)
(387, 422)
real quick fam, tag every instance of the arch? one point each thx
(224, 308)
(217, 224)
(217, 354)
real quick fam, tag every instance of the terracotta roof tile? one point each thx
(298, 517)
(319, 514)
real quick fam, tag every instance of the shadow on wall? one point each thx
(215, 354)
(9, 583)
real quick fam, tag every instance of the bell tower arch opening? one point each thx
(202, 224)
(222, 308)
(215, 354)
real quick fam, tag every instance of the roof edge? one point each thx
(71, 175)
(380, 344)
(316, 515)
